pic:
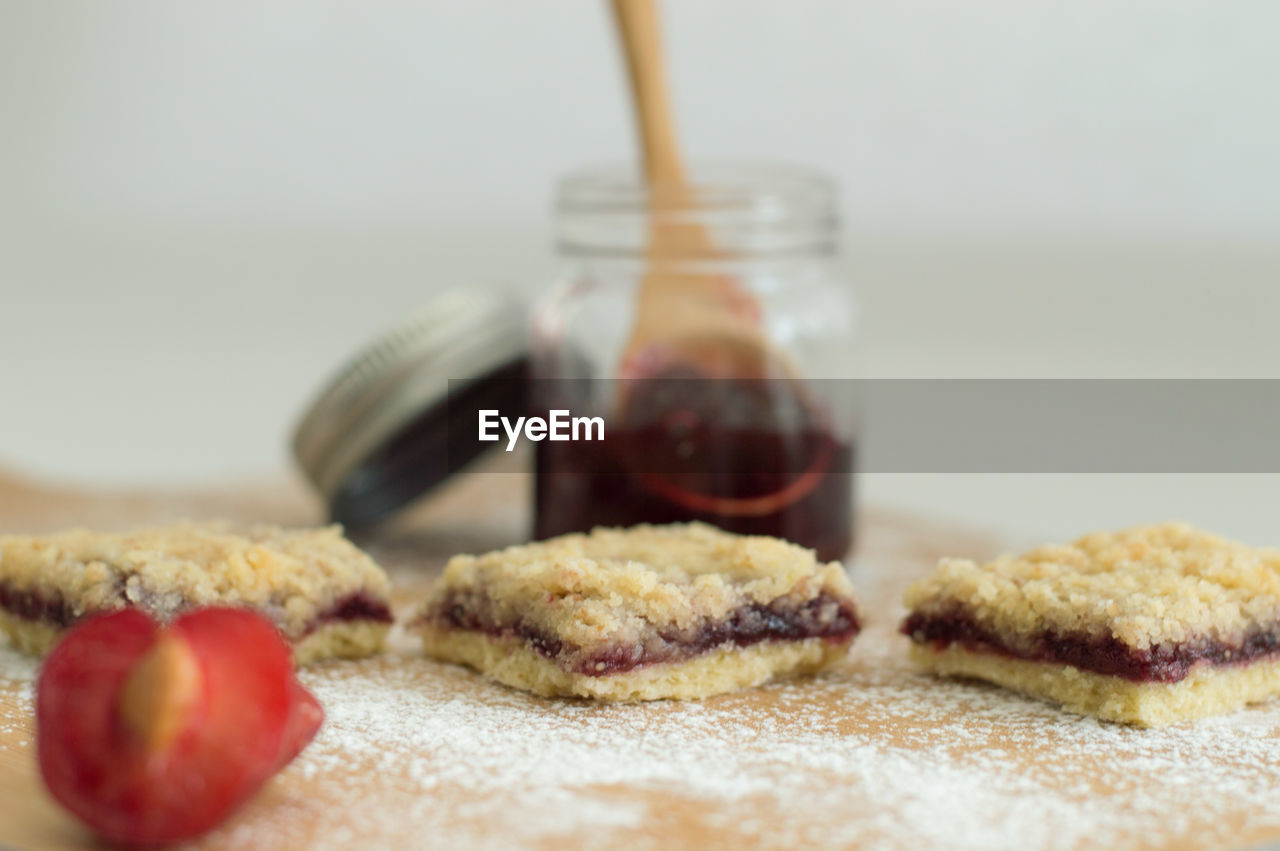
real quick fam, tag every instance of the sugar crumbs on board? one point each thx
(871, 755)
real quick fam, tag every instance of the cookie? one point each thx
(650, 612)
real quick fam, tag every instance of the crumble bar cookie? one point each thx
(1146, 626)
(327, 597)
(651, 612)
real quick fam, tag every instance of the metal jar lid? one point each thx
(377, 435)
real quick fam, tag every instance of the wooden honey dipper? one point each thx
(691, 323)
(700, 322)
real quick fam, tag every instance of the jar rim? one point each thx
(751, 207)
(715, 184)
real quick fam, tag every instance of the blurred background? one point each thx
(204, 207)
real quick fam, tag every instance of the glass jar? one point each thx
(709, 330)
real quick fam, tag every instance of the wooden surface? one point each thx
(418, 754)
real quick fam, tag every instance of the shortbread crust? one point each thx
(324, 594)
(1210, 690)
(1148, 625)
(511, 662)
(645, 613)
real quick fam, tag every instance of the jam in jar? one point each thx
(720, 369)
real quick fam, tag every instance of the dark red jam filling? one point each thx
(1165, 663)
(52, 609)
(35, 606)
(825, 616)
(359, 606)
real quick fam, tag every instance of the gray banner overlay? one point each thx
(1069, 426)
(931, 425)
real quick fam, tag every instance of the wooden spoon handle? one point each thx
(704, 318)
(637, 22)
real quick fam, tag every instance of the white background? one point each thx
(205, 206)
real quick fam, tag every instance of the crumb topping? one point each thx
(1145, 586)
(621, 584)
(291, 575)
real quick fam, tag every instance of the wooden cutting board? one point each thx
(417, 754)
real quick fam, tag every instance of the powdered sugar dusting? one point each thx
(872, 755)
